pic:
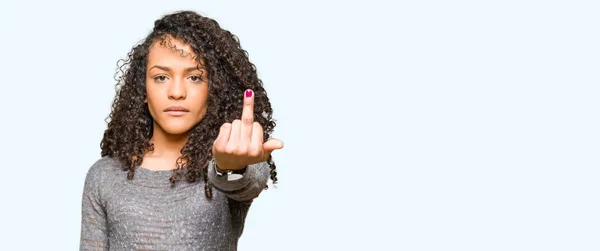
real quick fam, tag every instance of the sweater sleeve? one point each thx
(245, 188)
(94, 233)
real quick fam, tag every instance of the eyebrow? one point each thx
(164, 68)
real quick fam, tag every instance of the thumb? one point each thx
(272, 145)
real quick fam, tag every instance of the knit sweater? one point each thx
(148, 213)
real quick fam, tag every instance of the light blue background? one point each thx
(421, 125)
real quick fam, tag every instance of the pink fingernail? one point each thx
(248, 93)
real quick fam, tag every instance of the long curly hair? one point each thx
(229, 71)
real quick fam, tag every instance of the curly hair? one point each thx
(229, 71)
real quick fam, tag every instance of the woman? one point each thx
(184, 153)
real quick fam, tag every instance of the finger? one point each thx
(247, 116)
(256, 146)
(223, 136)
(257, 133)
(234, 137)
(271, 145)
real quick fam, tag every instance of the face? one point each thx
(177, 90)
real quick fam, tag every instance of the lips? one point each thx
(176, 108)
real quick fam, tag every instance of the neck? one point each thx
(165, 144)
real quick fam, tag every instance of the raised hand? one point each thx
(240, 143)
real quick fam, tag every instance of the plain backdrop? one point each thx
(408, 125)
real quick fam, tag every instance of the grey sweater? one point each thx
(148, 213)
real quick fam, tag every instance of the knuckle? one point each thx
(229, 149)
(247, 121)
(242, 150)
(220, 148)
(254, 152)
(225, 126)
(235, 124)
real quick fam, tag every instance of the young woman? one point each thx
(187, 146)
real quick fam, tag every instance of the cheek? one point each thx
(154, 95)
(154, 104)
(201, 102)
(200, 96)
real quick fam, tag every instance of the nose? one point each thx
(177, 90)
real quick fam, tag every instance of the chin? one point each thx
(175, 127)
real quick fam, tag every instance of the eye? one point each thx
(160, 79)
(196, 78)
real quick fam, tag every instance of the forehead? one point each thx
(171, 51)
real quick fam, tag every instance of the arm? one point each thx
(244, 188)
(94, 234)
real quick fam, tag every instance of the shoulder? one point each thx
(103, 168)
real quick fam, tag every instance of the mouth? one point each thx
(176, 113)
(176, 110)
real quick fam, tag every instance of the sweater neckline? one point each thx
(153, 171)
(145, 172)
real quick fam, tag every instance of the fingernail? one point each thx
(248, 93)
